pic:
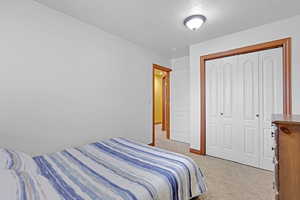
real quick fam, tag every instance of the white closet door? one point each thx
(271, 101)
(242, 92)
(220, 108)
(248, 98)
(228, 110)
(212, 109)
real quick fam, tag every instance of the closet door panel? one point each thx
(250, 140)
(272, 91)
(227, 136)
(228, 100)
(267, 153)
(272, 99)
(226, 68)
(249, 115)
(250, 86)
(212, 108)
(213, 136)
(212, 90)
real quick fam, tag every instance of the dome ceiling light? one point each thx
(194, 22)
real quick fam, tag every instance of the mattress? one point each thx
(121, 169)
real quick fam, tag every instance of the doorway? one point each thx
(161, 102)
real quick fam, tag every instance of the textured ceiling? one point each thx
(157, 24)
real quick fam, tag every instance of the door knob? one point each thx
(257, 115)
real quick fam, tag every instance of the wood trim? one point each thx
(195, 151)
(202, 107)
(287, 88)
(153, 109)
(151, 144)
(156, 123)
(249, 49)
(287, 80)
(167, 70)
(168, 109)
(163, 127)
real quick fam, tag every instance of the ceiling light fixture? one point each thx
(194, 22)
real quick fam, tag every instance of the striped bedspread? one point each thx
(121, 169)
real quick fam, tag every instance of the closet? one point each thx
(242, 93)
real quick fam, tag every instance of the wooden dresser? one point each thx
(286, 132)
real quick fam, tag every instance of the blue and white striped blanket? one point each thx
(121, 169)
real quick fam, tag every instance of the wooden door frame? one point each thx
(167, 70)
(287, 89)
(164, 95)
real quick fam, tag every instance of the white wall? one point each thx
(65, 83)
(180, 100)
(265, 33)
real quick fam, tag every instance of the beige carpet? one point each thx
(225, 180)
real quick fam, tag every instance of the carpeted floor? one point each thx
(225, 180)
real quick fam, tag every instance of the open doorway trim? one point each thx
(167, 70)
(164, 95)
(287, 89)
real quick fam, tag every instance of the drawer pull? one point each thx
(285, 130)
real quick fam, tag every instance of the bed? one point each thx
(120, 169)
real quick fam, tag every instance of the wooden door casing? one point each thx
(287, 89)
(243, 92)
(167, 71)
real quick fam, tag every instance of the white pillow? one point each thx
(22, 185)
(19, 161)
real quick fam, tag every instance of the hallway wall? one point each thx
(158, 99)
